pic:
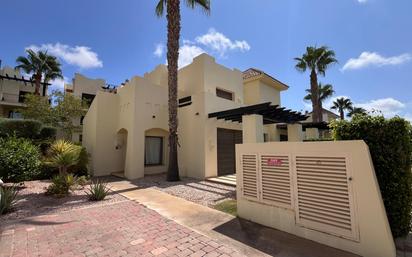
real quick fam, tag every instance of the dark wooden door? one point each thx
(226, 156)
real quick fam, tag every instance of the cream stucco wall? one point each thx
(10, 89)
(141, 105)
(372, 232)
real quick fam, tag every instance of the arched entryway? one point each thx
(156, 157)
(121, 148)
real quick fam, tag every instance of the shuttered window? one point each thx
(224, 94)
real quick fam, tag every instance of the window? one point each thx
(224, 94)
(153, 154)
(80, 138)
(88, 98)
(22, 96)
(15, 115)
(283, 137)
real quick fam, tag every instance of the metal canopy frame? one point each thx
(271, 114)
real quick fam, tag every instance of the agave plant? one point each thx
(98, 190)
(7, 198)
(63, 154)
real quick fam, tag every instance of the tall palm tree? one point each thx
(42, 65)
(173, 36)
(316, 60)
(342, 104)
(324, 92)
(357, 111)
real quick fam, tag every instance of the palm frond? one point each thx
(160, 8)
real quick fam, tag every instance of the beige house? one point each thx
(13, 87)
(86, 89)
(127, 131)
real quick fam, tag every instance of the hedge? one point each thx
(390, 145)
(20, 128)
(26, 128)
(19, 159)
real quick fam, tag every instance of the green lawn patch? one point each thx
(228, 206)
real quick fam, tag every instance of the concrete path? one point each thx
(244, 236)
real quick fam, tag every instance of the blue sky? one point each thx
(372, 40)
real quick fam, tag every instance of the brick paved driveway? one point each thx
(120, 229)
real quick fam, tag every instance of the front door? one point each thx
(226, 156)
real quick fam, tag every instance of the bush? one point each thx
(61, 185)
(19, 159)
(63, 155)
(20, 128)
(81, 168)
(7, 199)
(390, 145)
(47, 133)
(98, 191)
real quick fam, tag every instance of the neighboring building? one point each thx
(128, 131)
(327, 116)
(86, 89)
(13, 88)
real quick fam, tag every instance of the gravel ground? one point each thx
(198, 191)
(31, 200)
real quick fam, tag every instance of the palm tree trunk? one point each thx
(173, 35)
(342, 114)
(317, 112)
(37, 81)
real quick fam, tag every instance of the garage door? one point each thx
(226, 157)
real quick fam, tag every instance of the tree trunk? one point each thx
(37, 81)
(317, 111)
(342, 114)
(173, 35)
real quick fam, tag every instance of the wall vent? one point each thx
(250, 176)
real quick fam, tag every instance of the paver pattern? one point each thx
(119, 229)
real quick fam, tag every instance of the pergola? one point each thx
(271, 114)
(253, 117)
(25, 81)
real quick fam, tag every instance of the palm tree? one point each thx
(324, 92)
(342, 104)
(357, 111)
(173, 36)
(317, 60)
(40, 64)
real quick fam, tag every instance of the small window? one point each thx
(153, 151)
(87, 98)
(224, 94)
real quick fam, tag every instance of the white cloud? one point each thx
(187, 53)
(159, 50)
(81, 56)
(220, 43)
(362, 1)
(58, 84)
(389, 107)
(367, 59)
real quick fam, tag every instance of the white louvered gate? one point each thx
(276, 180)
(318, 188)
(250, 185)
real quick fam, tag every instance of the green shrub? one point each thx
(390, 145)
(19, 159)
(63, 155)
(81, 168)
(7, 199)
(98, 191)
(20, 128)
(61, 185)
(47, 133)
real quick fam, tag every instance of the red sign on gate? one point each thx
(274, 162)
